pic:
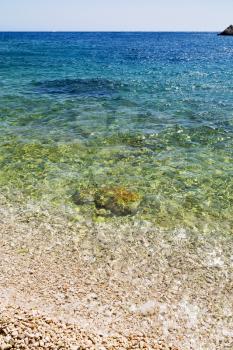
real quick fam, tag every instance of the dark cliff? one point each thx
(227, 31)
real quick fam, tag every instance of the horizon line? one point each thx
(107, 31)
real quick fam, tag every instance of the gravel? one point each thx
(118, 285)
(21, 330)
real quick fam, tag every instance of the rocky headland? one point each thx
(227, 31)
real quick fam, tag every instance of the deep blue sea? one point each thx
(151, 112)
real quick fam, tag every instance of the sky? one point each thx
(115, 15)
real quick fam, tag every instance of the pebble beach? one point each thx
(116, 191)
(85, 286)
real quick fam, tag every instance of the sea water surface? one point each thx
(152, 112)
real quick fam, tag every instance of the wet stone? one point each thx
(83, 197)
(118, 200)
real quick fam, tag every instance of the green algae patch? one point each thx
(180, 186)
(118, 200)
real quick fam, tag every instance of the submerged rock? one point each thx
(118, 200)
(83, 196)
(93, 87)
(227, 31)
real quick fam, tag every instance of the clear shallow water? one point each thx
(150, 111)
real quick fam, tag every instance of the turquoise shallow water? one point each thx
(152, 112)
